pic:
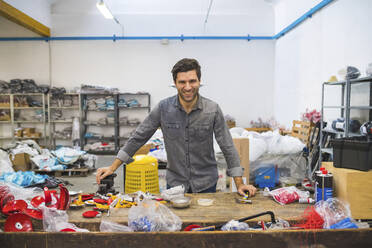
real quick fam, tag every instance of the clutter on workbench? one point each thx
(287, 195)
(151, 216)
(108, 226)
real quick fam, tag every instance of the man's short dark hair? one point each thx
(185, 65)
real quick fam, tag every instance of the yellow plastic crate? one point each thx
(142, 174)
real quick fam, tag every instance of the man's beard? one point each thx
(193, 97)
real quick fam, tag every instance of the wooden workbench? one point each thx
(224, 209)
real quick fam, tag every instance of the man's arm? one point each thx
(230, 153)
(142, 134)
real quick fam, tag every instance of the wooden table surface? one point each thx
(223, 210)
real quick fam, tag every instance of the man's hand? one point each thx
(250, 188)
(102, 173)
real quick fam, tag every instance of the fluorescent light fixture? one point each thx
(104, 10)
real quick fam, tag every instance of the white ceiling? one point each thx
(117, 7)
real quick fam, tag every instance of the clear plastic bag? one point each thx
(55, 220)
(332, 211)
(288, 195)
(21, 193)
(174, 192)
(234, 225)
(107, 226)
(291, 167)
(151, 216)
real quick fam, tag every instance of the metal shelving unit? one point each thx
(344, 110)
(85, 126)
(57, 102)
(145, 105)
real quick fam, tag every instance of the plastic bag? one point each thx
(107, 226)
(151, 216)
(5, 163)
(332, 211)
(20, 193)
(288, 195)
(234, 225)
(55, 220)
(291, 167)
(174, 192)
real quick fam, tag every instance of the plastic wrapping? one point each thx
(20, 193)
(288, 195)
(174, 192)
(107, 226)
(75, 129)
(291, 168)
(23, 178)
(332, 211)
(280, 224)
(151, 216)
(234, 225)
(55, 220)
(5, 163)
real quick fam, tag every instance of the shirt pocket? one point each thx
(201, 132)
(172, 130)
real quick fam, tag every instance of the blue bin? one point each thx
(266, 176)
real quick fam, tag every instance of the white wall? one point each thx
(237, 74)
(37, 9)
(337, 36)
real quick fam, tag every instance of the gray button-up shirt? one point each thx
(188, 141)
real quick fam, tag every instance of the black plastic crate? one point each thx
(352, 152)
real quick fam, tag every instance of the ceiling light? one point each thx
(104, 10)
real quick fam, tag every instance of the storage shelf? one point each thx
(352, 81)
(99, 125)
(340, 132)
(339, 107)
(327, 150)
(73, 107)
(4, 107)
(28, 108)
(5, 122)
(41, 122)
(61, 121)
(138, 107)
(102, 152)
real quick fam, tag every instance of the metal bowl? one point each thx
(181, 202)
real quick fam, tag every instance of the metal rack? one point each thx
(18, 123)
(54, 123)
(116, 137)
(344, 111)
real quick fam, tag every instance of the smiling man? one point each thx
(188, 122)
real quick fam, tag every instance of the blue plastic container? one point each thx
(266, 176)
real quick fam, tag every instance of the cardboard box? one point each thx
(18, 132)
(144, 149)
(28, 131)
(352, 187)
(231, 124)
(242, 146)
(21, 162)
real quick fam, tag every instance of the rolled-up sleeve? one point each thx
(141, 135)
(224, 140)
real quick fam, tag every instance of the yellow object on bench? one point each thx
(142, 174)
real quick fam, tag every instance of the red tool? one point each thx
(18, 223)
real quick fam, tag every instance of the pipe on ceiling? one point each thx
(283, 32)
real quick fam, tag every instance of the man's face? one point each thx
(187, 84)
